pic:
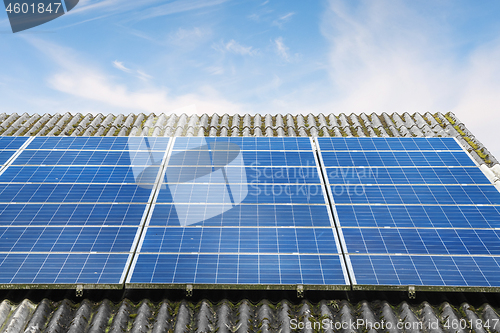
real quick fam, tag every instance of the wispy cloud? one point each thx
(142, 10)
(281, 48)
(280, 21)
(194, 35)
(121, 66)
(174, 7)
(138, 73)
(284, 51)
(215, 70)
(143, 76)
(234, 47)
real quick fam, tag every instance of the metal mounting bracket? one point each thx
(189, 290)
(79, 290)
(300, 291)
(412, 294)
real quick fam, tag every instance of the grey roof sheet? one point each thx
(184, 315)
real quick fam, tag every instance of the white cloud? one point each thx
(120, 66)
(388, 57)
(94, 87)
(234, 47)
(281, 48)
(284, 51)
(183, 36)
(138, 73)
(215, 70)
(280, 21)
(177, 7)
(143, 76)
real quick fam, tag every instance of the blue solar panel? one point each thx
(327, 144)
(12, 142)
(413, 211)
(422, 241)
(243, 215)
(62, 268)
(80, 174)
(396, 158)
(419, 216)
(267, 269)
(396, 175)
(67, 217)
(417, 195)
(71, 214)
(242, 143)
(455, 271)
(66, 239)
(240, 211)
(100, 143)
(74, 193)
(247, 211)
(241, 193)
(250, 158)
(258, 175)
(91, 157)
(239, 240)
(5, 155)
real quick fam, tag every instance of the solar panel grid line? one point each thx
(346, 263)
(14, 157)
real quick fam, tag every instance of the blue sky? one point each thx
(230, 56)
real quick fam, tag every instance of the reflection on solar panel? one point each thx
(72, 209)
(413, 211)
(248, 211)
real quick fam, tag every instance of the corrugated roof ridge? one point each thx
(225, 316)
(358, 125)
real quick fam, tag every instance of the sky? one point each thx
(265, 56)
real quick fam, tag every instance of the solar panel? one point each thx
(240, 211)
(389, 144)
(245, 212)
(413, 211)
(72, 209)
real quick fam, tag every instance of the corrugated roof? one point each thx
(332, 315)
